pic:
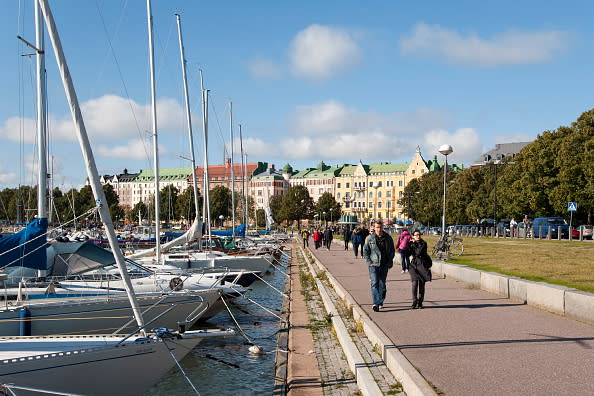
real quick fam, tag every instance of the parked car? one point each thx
(585, 230)
(542, 225)
(503, 228)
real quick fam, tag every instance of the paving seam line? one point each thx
(413, 383)
(357, 364)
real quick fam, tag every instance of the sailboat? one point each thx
(102, 365)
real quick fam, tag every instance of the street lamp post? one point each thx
(446, 150)
(375, 187)
(331, 219)
(221, 217)
(324, 217)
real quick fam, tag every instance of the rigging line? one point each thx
(180, 367)
(120, 74)
(220, 131)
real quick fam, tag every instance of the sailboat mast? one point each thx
(89, 159)
(244, 179)
(154, 131)
(188, 116)
(41, 117)
(206, 205)
(232, 172)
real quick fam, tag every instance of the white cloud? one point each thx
(105, 118)
(135, 149)
(7, 177)
(465, 142)
(332, 131)
(318, 52)
(264, 69)
(255, 149)
(508, 48)
(513, 138)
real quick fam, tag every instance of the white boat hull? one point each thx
(92, 365)
(102, 315)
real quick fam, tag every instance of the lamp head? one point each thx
(445, 149)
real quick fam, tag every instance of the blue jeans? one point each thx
(405, 259)
(377, 276)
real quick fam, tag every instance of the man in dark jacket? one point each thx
(347, 237)
(378, 252)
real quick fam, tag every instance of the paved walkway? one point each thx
(470, 342)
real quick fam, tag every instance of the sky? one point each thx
(338, 81)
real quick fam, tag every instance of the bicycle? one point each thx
(447, 247)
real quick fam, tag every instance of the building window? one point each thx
(348, 185)
(379, 204)
(370, 194)
(379, 194)
(388, 194)
(337, 185)
(413, 171)
(399, 183)
(338, 195)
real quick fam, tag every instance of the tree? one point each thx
(139, 211)
(167, 203)
(296, 204)
(184, 205)
(275, 204)
(328, 204)
(220, 202)
(427, 205)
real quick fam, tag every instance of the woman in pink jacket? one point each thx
(403, 244)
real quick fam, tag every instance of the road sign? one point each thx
(572, 206)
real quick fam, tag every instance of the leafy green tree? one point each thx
(296, 204)
(427, 204)
(275, 204)
(260, 218)
(167, 203)
(327, 203)
(140, 210)
(185, 206)
(220, 202)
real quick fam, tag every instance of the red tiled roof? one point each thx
(225, 170)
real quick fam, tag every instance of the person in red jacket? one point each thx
(403, 247)
(317, 237)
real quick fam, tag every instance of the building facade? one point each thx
(372, 191)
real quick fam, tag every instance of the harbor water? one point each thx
(225, 366)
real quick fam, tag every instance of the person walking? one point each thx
(420, 269)
(356, 240)
(317, 237)
(364, 234)
(305, 236)
(328, 236)
(403, 244)
(378, 252)
(347, 237)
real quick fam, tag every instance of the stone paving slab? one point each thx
(468, 342)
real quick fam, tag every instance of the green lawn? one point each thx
(563, 263)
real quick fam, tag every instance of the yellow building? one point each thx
(372, 191)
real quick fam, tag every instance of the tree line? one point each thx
(19, 205)
(539, 181)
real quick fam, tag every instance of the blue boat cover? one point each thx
(239, 231)
(27, 246)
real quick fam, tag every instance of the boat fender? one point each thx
(24, 322)
(256, 350)
(176, 284)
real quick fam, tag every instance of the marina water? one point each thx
(224, 366)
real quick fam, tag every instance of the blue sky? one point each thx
(338, 81)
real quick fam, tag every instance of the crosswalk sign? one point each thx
(572, 206)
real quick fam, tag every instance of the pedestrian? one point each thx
(317, 237)
(364, 234)
(328, 236)
(513, 226)
(356, 240)
(378, 251)
(347, 237)
(420, 269)
(305, 236)
(403, 248)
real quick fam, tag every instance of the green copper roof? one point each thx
(165, 174)
(387, 167)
